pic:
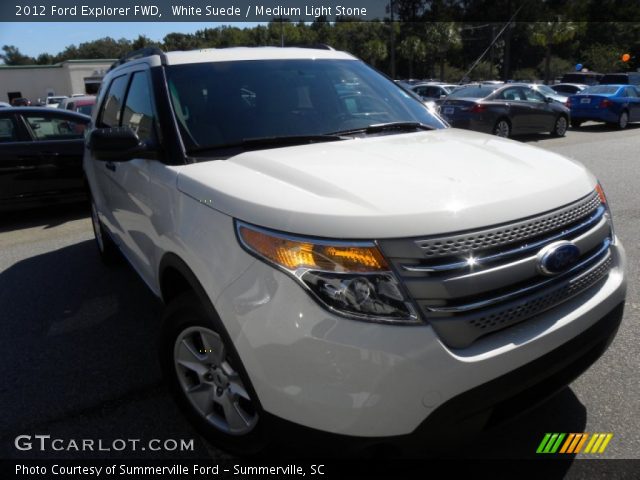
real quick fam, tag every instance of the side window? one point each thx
(110, 115)
(630, 92)
(510, 94)
(8, 131)
(138, 111)
(533, 96)
(52, 128)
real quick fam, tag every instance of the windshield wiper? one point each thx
(257, 143)
(386, 127)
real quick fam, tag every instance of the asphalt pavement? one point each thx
(78, 340)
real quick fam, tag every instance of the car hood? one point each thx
(388, 186)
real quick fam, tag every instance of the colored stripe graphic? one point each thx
(597, 443)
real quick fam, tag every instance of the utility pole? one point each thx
(392, 43)
(506, 64)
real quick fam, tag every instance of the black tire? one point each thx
(107, 249)
(623, 120)
(576, 123)
(560, 126)
(185, 320)
(502, 128)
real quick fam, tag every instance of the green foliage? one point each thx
(419, 45)
(12, 56)
(603, 58)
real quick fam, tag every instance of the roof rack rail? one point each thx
(141, 53)
(317, 46)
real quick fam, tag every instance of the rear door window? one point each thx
(8, 130)
(138, 110)
(112, 106)
(45, 128)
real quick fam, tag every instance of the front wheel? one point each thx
(560, 127)
(205, 378)
(623, 120)
(502, 128)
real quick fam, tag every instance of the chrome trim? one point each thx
(600, 211)
(492, 301)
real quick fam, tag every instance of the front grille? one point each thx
(517, 232)
(490, 279)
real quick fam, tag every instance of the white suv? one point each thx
(333, 256)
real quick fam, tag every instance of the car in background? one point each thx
(568, 88)
(614, 104)
(504, 110)
(585, 78)
(41, 150)
(432, 91)
(548, 92)
(21, 102)
(54, 101)
(81, 104)
(4, 105)
(626, 78)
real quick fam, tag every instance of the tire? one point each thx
(623, 120)
(502, 128)
(107, 249)
(576, 123)
(207, 380)
(560, 127)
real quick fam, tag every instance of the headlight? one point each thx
(603, 200)
(349, 278)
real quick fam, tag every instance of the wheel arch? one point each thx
(176, 278)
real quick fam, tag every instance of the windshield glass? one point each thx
(224, 103)
(472, 92)
(606, 89)
(546, 90)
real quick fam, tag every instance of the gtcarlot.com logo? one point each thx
(574, 443)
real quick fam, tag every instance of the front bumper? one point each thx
(347, 377)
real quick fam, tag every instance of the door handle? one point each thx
(110, 166)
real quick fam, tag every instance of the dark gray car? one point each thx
(504, 110)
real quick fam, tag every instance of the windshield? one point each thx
(224, 103)
(546, 90)
(473, 92)
(86, 109)
(605, 89)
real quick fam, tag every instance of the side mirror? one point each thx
(118, 144)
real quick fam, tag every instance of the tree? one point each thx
(12, 56)
(374, 51)
(412, 49)
(442, 38)
(550, 34)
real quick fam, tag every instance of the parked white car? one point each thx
(338, 259)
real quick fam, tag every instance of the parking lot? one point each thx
(78, 340)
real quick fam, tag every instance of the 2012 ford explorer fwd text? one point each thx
(332, 256)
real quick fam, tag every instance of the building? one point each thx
(40, 81)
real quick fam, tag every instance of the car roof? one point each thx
(253, 53)
(49, 111)
(83, 98)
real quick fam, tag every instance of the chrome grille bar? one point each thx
(604, 248)
(508, 253)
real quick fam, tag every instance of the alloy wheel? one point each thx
(210, 383)
(502, 129)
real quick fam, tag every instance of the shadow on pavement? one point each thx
(47, 217)
(78, 356)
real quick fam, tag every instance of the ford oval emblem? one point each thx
(557, 257)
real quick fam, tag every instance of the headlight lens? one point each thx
(350, 278)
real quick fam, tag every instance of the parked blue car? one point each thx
(614, 104)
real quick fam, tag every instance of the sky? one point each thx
(35, 38)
